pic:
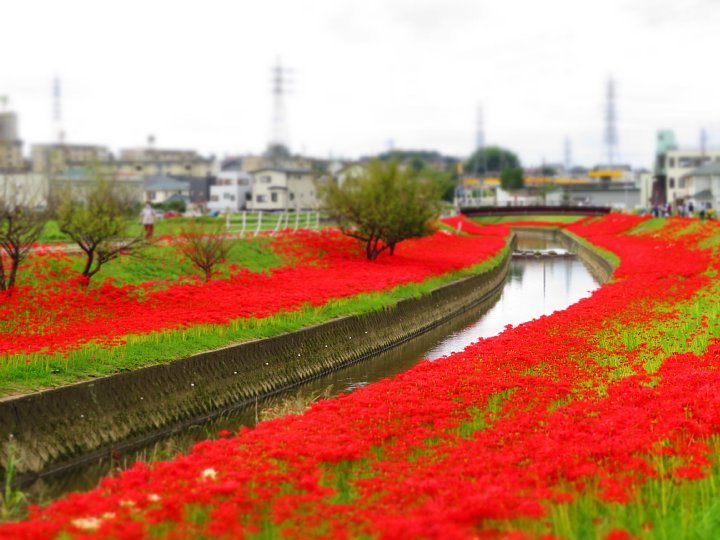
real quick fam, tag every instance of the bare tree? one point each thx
(98, 222)
(20, 228)
(205, 248)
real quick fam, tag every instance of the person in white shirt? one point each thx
(147, 217)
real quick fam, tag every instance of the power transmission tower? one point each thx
(568, 155)
(611, 138)
(480, 129)
(57, 111)
(280, 83)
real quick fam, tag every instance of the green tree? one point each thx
(20, 227)
(491, 159)
(97, 220)
(511, 178)
(383, 206)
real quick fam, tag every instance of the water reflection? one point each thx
(534, 287)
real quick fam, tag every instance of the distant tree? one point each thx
(98, 222)
(178, 205)
(383, 206)
(491, 159)
(20, 227)
(277, 151)
(511, 178)
(205, 248)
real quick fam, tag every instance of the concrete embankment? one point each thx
(59, 428)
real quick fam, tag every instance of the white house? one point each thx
(232, 191)
(355, 170)
(281, 188)
(703, 185)
(679, 164)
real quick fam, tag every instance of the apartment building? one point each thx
(11, 158)
(163, 162)
(55, 158)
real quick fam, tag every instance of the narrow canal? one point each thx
(535, 286)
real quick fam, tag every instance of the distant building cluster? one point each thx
(156, 175)
(680, 178)
(617, 186)
(276, 180)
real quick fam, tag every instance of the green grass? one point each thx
(158, 262)
(43, 371)
(505, 219)
(169, 226)
(662, 508)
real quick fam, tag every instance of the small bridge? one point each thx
(534, 210)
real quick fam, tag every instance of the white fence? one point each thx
(254, 223)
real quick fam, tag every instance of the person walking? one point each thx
(147, 216)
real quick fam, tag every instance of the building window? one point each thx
(266, 179)
(261, 198)
(151, 195)
(671, 183)
(273, 197)
(248, 196)
(138, 168)
(213, 198)
(671, 162)
(681, 183)
(292, 196)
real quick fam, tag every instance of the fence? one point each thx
(254, 223)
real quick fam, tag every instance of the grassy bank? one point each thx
(23, 373)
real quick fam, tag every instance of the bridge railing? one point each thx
(254, 223)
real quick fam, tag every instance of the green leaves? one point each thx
(384, 205)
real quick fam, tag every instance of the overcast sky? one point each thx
(366, 73)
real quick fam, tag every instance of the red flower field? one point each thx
(65, 316)
(601, 420)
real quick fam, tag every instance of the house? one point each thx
(703, 184)
(160, 189)
(231, 192)
(354, 170)
(280, 188)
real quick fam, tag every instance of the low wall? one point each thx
(600, 268)
(59, 428)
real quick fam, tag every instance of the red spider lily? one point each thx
(465, 446)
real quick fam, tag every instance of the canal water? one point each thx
(535, 286)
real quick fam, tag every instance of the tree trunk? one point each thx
(88, 263)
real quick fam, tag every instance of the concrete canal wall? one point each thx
(59, 428)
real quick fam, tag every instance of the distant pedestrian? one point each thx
(147, 216)
(691, 209)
